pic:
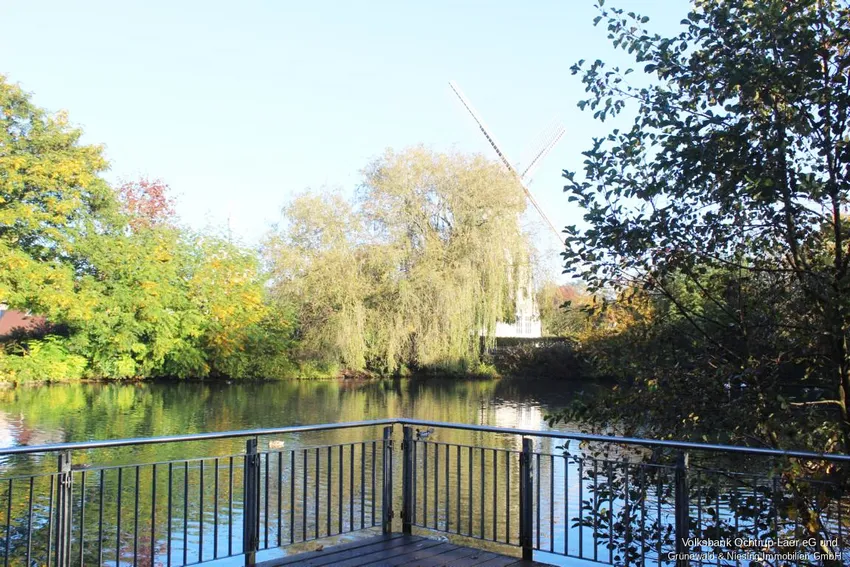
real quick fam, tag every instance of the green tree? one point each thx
(51, 196)
(408, 276)
(562, 309)
(725, 199)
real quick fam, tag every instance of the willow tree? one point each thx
(451, 222)
(412, 274)
(312, 259)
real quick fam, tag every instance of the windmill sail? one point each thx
(505, 160)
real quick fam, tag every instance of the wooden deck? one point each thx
(398, 550)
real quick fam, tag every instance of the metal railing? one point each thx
(613, 500)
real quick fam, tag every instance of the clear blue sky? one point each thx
(238, 105)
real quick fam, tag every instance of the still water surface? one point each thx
(81, 412)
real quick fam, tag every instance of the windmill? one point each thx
(527, 315)
(548, 140)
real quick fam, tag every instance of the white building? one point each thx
(527, 322)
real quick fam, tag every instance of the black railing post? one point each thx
(251, 500)
(407, 481)
(63, 510)
(526, 502)
(682, 509)
(387, 487)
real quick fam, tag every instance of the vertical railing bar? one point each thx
(215, 508)
(136, 518)
(316, 506)
(595, 509)
(526, 503)
(448, 492)
(797, 521)
(627, 512)
(407, 467)
(329, 488)
(8, 542)
(436, 487)
(279, 498)
(65, 514)
(414, 444)
(339, 503)
(699, 480)
(458, 482)
(82, 535)
(201, 511)
(495, 496)
(775, 499)
(566, 503)
(266, 499)
(551, 502)
(643, 494)
(304, 497)
(682, 509)
(717, 506)
(229, 507)
(118, 520)
(508, 497)
(659, 489)
(470, 449)
(481, 501)
(50, 523)
(153, 516)
(351, 487)
(387, 477)
(424, 484)
(580, 507)
(737, 523)
(374, 451)
(185, 512)
(168, 518)
(610, 480)
(292, 496)
(29, 521)
(840, 521)
(539, 477)
(362, 485)
(251, 494)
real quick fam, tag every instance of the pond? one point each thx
(80, 412)
(182, 503)
(122, 499)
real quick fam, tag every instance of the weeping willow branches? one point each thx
(413, 272)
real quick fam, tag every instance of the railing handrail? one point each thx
(589, 437)
(109, 443)
(681, 445)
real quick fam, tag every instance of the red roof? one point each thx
(11, 320)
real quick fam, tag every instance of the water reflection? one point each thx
(80, 412)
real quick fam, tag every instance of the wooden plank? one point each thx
(397, 550)
(304, 557)
(420, 555)
(332, 555)
(504, 561)
(444, 559)
(371, 555)
(477, 559)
